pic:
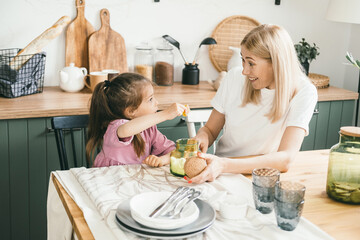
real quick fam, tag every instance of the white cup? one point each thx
(234, 207)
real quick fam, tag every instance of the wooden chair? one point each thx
(62, 125)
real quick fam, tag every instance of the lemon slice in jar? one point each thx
(177, 166)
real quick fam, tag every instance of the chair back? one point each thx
(198, 116)
(70, 124)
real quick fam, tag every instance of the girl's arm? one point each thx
(155, 161)
(289, 146)
(139, 124)
(208, 134)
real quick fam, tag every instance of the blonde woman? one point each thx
(264, 110)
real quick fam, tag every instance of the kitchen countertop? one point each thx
(55, 102)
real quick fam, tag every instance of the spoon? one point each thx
(175, 44)
(206, 41)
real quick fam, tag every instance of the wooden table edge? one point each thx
(73, 211)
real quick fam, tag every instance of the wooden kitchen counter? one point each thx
(54, 102)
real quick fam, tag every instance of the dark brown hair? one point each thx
(108, 103)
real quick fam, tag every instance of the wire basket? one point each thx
(21, 75)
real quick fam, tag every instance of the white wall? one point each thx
(188, 21)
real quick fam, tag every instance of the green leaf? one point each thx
(348, 58)
(358, 63)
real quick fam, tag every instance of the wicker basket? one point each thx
(320, 81)
(229, 32)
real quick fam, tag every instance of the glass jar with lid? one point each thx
(343, 178)
(185, 148)
(164, 65)
(144, 61)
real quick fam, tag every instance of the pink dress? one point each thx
(117, 151)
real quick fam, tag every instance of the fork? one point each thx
(177, 202)
(168, 201)
(191, 197)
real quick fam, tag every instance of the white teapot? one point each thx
(72, 78)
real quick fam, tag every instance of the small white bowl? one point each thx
(234, 207)
(143, 204)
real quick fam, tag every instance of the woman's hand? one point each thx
(211, 172)
(208, 134)
(175, 110)
(203, 141)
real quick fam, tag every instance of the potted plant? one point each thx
(306, 53)
(351, 59)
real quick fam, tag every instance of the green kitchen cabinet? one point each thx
(28, 155)
(325, 123)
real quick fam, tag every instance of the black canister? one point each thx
(190, 74)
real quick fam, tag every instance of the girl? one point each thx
(265, 110)
(123, 118)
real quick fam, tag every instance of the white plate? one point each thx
(158, 236)
(143, 204)
(206, 218)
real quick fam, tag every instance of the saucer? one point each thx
(157, 236)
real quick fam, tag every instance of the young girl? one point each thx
(123, 118)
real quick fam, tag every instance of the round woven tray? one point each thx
(320, 81)
(229, 32)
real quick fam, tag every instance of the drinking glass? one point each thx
(289, 203)
(264, 180)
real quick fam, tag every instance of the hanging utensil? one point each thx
(175, 44)
(206, 41)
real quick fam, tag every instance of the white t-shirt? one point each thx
(247, 131)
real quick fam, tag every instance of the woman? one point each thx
(264, 111)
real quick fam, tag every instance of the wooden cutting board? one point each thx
(77, 35)
(106, 47)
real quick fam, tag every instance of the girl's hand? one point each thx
(154, 161)
(203, 141)
(175, 110)
(211, 172)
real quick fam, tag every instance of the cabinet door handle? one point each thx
(316, 111)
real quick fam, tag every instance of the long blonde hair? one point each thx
(273, 42)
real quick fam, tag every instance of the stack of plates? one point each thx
(206, 217)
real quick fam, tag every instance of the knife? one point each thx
(165, 203)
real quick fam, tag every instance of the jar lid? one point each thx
(143, 46)
(165, 46)
(350, 131)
